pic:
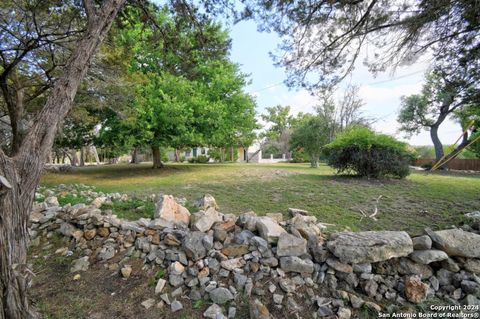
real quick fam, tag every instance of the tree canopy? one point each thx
(443, 96)
(322, 40)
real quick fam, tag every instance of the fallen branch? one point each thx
(375, 211)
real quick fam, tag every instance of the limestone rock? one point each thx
(295, 264)
(422, 242)
(169, 210)
(415, 289)
(103, 231)
(269, 229)
(149, 303)
(90, 234)
(472, 265)
(231, 264)
(370, 246)
(306, 225)
(428, 256)
(176, 268)
(193, 245)
(160, 285)
(258, 310)
(176, 306)
(206, 201)
(81, 264)
(126, 271)
(339, 266)
(289, 245)
(204, 220)
(344, 313)
(297, 211)
(99, 201)
(456, 242)
(51, 201)
(235, 250)
(67, 229)
(213, 311)
(221, 295)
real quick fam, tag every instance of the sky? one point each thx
(380, 94)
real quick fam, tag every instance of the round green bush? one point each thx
(366, 153)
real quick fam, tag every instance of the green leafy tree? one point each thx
(311, 135)
(442, 96)
(277, 137)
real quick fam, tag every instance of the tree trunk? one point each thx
(437, 144)
(74, 158)
(177, 155)
(135, 159)
(95, 154)
(231, 154)
(21, 173)
(157, 160)
(314, 162)
(82, 156)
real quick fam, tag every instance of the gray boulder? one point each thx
(193, 245)
(456, 242)
(295, 264)
(221, 295)
(289, 245)
(428, 256)
(370, 246)
(204, 220)
(269, 229)
(422, 242)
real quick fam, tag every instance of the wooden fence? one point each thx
(458, 164)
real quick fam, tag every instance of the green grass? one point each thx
(131, 209)
(434, 200)
(73, 200)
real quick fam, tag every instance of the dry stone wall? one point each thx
(282, 265)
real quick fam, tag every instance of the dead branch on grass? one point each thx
(375, 211)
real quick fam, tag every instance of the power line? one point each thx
(397, 78)
(267, 87)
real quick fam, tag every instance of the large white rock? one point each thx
(205, 219)
(456, 242)
(169, 210)
(370, 246)
(205, 202)
(269, 229)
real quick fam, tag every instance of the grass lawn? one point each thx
(422, 200)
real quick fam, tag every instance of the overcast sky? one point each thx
(381, 95)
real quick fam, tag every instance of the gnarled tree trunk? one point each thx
(21, 172)
(437, 144)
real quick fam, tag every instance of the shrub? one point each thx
(367, 153)
(299, 156)
(182, 159)
(202, 159)
(216, 154)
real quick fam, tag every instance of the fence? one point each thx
(458, 164)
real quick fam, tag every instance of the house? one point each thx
(251, 154)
